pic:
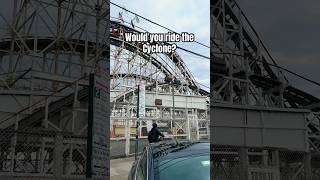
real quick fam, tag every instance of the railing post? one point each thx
(307, 165)
(276, 163)
(14, 144)
(57, 156)
(243, 157)
(189, 128)
(127, 132)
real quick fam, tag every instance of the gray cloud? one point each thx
(291, 31)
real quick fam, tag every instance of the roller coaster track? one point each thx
(76, 45)
(235, 25)
(49, 44)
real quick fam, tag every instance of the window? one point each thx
(185, 168)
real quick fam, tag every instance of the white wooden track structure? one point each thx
(256, 113)
(47, 50)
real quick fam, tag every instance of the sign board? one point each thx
(158, 102)
(98, 127)
(260, 127)
(142, 99)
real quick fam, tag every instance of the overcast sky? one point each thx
(291, 31)
(181, 16)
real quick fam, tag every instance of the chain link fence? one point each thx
(224, 163)
(232, 162)
(292, 165)
(42, 154)
(123, 133)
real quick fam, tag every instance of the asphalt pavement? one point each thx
(120, 168)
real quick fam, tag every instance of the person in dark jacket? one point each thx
(154, 134)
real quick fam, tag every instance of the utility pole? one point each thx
(173, 109)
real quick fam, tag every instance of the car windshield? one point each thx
(187, 164)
